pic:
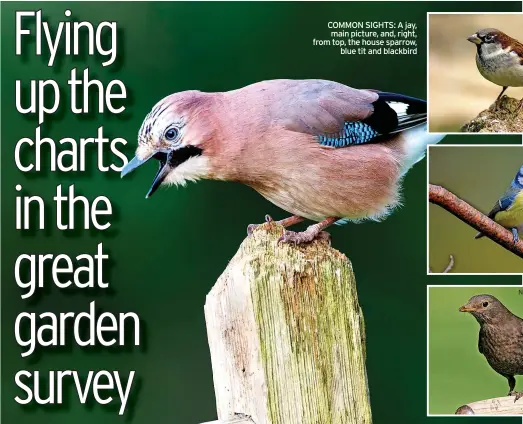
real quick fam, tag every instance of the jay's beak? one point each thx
(163, 170)
(133, 164)
(168, 161)
(474, 39)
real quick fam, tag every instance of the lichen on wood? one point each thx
(286, 335)
(501, 117)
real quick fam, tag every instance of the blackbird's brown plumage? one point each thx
(500, 337)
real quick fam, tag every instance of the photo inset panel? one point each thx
(475, 350)
(473, 188)
(475, 73)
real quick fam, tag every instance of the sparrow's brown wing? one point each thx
(341, 116)
(514, 45)
(518, 49)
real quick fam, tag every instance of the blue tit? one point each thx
(508, 210)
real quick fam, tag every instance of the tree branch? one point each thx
(448, 268)
(471, 216)
(497, 406)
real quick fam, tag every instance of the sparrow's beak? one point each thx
(474, 39)
(466, 308)
(133, 164)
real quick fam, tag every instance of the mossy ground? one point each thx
(502, 116)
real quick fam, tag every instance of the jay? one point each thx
(317, 149)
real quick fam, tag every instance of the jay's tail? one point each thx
(411, 120)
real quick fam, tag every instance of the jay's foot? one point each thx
(287, 222)
(304, 237)
(517, 395)
(311, 233)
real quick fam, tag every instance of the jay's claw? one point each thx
(312, 232)
(304, 236)
(285, 222)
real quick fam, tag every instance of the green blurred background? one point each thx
(169, 250)
(478, 175)
(458, 373)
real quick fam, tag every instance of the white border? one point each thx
(433, 146)
(431, 286)
(428, 70)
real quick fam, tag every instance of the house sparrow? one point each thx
(500, 337)
(318, 149)
(499, 58)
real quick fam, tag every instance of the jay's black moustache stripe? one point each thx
(169, 161)
(179, 156)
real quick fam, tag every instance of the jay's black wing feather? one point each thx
(393, 113)
(340, 116)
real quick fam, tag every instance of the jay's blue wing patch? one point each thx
(352, 133)
(393, 113)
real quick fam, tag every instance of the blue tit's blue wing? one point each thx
(508, 198)
(505, 201)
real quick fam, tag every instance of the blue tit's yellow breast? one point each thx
(513, 216)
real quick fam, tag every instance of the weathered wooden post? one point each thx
(286, 335)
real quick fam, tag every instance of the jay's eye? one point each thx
(485, 304)
(171, 134)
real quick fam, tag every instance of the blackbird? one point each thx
(500, 337)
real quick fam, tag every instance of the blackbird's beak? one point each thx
(466, 308)
(474, 39)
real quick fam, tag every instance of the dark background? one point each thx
(168, 251)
